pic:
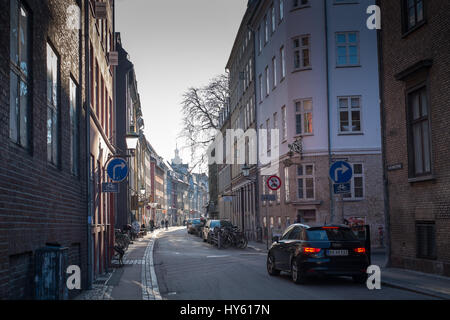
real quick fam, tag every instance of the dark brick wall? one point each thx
(427, 200)
(40, 203)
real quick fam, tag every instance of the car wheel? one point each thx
(271, 266)
(360, 278)
(297, 274)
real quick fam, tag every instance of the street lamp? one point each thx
(246, 171)
(132, 140)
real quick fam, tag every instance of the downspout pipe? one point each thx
(383, 146)
(257, 208)
(88, 144)
(328, 109)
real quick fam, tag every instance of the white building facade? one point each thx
(317, 82)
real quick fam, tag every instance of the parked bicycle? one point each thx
(232, 237)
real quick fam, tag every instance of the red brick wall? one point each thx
(427, 200)
(40, 203)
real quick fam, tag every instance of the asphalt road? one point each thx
(189, 269)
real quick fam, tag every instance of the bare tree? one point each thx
(201, 109)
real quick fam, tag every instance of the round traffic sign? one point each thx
(341, 172)
(117, 169)
(274, 183)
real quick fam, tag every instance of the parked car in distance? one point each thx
(332, 250)
(188, 223)
(194, 226)
(209, 228)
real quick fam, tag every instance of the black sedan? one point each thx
(325, 250)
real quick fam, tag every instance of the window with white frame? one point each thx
(273, 16)
(357, 182)
(250, 68)
(347, 49)
(281, 10)
(304, 117)
(350, 114)
(274, 72)
(301, 50)
(283, 124)
(261, 94)
(259, 39)
(299, 3)
(266, 30)
(269, 136)
(283, 62)
(251, 111)
(287, 192)
(275, 120)
(305, 181)
(267, 81)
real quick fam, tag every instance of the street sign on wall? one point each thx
(341, 188)
(117, 170)
(268, 197)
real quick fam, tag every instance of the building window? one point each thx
(413, 13)
(273, 18)
(301, 47)
(283, 124)
(304, 117)
(267, 81)
(261, 94)
(74, 128)
(19, 113)
(426, 239)
(260, 39)
(357, 182)
(52, 106)
(419, 152)
(281, 7)
(305, 180)
(266, 30)
(299, 3)
(250, 68)
(269, 136)
(283, 63)
(350, 114)
(287, 193)
(274, 72)
(306, 216)
(347, 48)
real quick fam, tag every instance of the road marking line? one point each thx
(217, 256)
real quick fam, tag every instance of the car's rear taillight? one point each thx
(360, 250)
(311, 250)
(330, 227)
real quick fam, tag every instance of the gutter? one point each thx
(88, 146)
(387, 236)
(328, 110)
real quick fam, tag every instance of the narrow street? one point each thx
(189, 269)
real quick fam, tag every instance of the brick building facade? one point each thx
(42, 140)
(415, 82)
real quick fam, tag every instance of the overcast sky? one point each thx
(174, 45)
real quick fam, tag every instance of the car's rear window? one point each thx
(330, 235)
(196, 221)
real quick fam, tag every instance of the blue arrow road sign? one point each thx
(117, 170)
(341, 172)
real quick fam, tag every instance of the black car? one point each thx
(194, 226)
(332, 250)
(208, 229)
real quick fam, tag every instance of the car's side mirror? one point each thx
(276, 239)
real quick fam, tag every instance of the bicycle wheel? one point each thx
(243, 242)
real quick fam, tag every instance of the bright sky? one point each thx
(174, 45)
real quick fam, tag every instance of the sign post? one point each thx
(341, 173)
(117, 170)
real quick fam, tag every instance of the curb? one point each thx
(414, 289)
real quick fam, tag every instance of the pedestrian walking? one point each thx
(167, 224)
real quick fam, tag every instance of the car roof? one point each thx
(317, 225)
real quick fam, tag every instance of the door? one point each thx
(289, 247)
